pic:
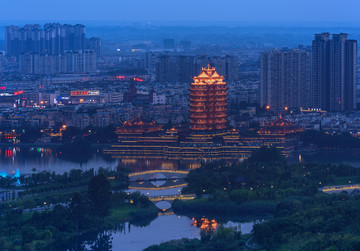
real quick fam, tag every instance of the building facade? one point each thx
(208, 101)
(334, 72)
(285, 79)
(180, 68)
(52, 39)
(70, 62)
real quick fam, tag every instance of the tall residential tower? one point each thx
(334, 72)
(285, 79)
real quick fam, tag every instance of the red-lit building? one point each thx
(137, 126)
(208, 101)
(85, 96)
(10, 99)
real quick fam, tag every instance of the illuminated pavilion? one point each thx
(280, 133)
(208, 101)
(209, 138)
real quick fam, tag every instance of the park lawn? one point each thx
(120, 213)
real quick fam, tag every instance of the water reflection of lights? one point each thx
(10, 153)
(205, 224)
(166, 213)
(140, 181)
(128, 161)
(167, 166)
(174, 179)
(195, 166)
(158, 179)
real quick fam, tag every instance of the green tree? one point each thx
(99, 191)
(28, 234)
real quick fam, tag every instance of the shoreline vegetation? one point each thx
(53, 209)
(302, 217)
(102, 138)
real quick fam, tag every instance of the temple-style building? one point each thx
(209, 137)
(280, 133)
(208, 101)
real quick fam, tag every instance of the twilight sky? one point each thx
(334, 11)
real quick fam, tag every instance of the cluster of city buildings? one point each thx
(52, 49)
(322, 77)
(181, 68)
(53, 75)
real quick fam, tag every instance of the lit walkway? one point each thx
(339, 189)
(172, 197)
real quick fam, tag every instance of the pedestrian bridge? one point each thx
(340, 188)
(163, 203)
(158, 175)
(172, 197)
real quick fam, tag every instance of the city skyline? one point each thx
(192, 125)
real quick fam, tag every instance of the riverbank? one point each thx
(51, 145)
(229, 208)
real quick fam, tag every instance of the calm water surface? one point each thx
(128, 236)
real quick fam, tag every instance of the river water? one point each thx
(129, 237)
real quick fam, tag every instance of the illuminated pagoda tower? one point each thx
(208, 101)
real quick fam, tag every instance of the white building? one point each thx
(159, 99)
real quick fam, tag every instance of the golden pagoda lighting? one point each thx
(208, 101)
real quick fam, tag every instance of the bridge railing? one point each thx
(157, 171)
(339, 188)
(172, 197)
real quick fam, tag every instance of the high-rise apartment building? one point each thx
(181, 68)
(166, 69)
(285, 79)
(70, 62)
(334, 72)
(94, 44)
(1, 62)
(53, 39)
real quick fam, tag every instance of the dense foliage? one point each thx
(337, 140)
(64, 206)
(304, 218)
(222, 239)
(321, 222)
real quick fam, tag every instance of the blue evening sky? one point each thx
(296, 11)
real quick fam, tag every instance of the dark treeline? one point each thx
(303, 218)
(265, 175)
(322, 139)
(222, 239)
(92, 209)
(321, 222)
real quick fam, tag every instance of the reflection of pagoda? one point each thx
(208, 101)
